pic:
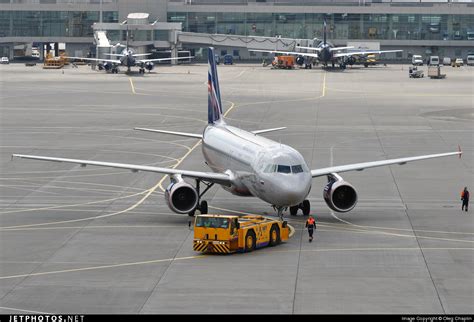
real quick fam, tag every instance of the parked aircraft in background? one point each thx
(128, 58)
(327, 54)
(247, 164)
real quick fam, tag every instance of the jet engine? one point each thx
(180, 196)
(300, 60)
(107, 66)
(339, 195)
(350, 60)
(149, 66)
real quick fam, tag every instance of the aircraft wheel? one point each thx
(250, 241)
(203, 207)
(293, 210)
(274, 235)
(306, 207)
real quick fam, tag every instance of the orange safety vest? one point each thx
(310, 221)
(462, 194)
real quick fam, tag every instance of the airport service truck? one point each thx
(224, 234)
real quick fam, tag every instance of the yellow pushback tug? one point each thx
(228, 234)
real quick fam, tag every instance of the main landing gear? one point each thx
(305, 206)
(141, 71)
(201, 205)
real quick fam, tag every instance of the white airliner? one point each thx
(128, 58)
(326, 53)
(247, 164)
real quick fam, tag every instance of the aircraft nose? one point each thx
(293, 190)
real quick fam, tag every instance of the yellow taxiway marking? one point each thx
(131, 84)
(101, 267)
(324, 85)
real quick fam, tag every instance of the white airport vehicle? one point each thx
(447, 61)
(246, 164)
(4, 60)
(434, 60)
(470, 60)
(417, 60)
(459, 62)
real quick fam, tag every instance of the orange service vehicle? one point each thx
(284, 62)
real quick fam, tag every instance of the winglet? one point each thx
(460, 151)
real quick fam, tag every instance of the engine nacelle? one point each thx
(180, 196)
(339, 195)
(300, 60)
(107, 66)
(350, 60)
(149, 65)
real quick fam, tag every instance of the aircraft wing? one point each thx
(373, 164)
(189, 135)
(199, 136)
(162, 59)
(114, 61)
(219, 178)
(268, 130)
(365, 52)
(285, 52)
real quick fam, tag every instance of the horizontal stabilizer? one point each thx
(340, 48)
(268, 130)
(189, 135)
(309, 48)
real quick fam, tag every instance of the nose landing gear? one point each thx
(305, 206)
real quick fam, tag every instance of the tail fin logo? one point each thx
(214, 95)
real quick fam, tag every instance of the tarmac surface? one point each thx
(98, 240)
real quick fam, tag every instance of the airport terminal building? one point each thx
(441, 27)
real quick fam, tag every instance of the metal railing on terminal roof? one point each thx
(60, 1)
(319, 2)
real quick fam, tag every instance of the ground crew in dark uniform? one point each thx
(465, 199)
(311, 225)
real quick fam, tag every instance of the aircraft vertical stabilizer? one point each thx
(324, 31)
(214, 103)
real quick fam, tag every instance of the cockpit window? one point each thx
(284, 168)
(270, 168)
(296, 168)
(280, 168)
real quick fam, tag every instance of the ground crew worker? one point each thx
(311, 225)
(465, 199)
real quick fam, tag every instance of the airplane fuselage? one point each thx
(128, 60)
(326, 55)
(273, 172)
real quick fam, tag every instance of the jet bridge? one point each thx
(242, 41)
